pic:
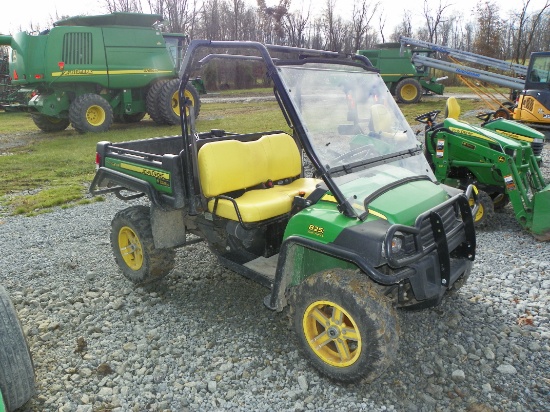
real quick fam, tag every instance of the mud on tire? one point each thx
(344, 325)
(134, 249)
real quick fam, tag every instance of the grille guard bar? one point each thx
(441, 238)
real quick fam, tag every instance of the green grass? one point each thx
(50, 170)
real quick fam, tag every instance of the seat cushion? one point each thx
(263, 204)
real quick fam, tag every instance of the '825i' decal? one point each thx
(316, 230)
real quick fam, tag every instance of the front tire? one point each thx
(346, 328)
(134, 248)
(91, 113)
(486, 210)
(408, 91)
(50, 124)
(17, 382)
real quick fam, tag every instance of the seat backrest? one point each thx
(230, 165)
(283, 156)
(452, 108)
(381, 118)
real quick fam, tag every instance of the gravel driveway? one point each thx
(203, 341)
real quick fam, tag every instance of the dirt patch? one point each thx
(13, 140)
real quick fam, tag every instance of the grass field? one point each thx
(39, 171)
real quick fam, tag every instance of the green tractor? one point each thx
(17, 380)
(497, 157)
(340, 217)
(92, 71)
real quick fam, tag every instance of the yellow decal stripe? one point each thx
(469, 133)
(107, 72)
(330, 198)
(145, 171)
(515, 136)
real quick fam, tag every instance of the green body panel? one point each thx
(2, 406)
(160, 179)
(323, 222)
(119, 54)
(395, 66)
(541, 210)
(514, 129)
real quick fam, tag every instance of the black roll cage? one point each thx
(271, 63)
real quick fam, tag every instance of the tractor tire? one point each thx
(50, 124)
(152, 102)
(346, 328)
(91, 113)
(486, 211)
(500, 201)
(134, 248)
(17, 381)
(408, 91)
(502, 113)
(169, 101)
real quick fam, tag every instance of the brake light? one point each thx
(38, 76)
(97, 160)
(61, 65)
(15, 75)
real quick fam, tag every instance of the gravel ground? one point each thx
(202, 340)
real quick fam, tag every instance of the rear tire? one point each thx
(91, 113)
(345, 327)
(50, 124)
(17, 381)
(152, 102)
(408, 91)
(134, 248)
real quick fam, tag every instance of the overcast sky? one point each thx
(42, 12)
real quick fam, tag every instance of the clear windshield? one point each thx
(540, 72)
(351, 118)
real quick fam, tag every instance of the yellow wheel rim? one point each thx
(176, 103)
(130, 248)
(95, 115)
(480, 211)
(409, 92)
(332, 333)
(188, 95)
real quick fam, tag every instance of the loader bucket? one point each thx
(540, 226)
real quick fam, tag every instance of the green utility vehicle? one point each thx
(366, 230)
(17, 383)
(89, 71)
(406, 81)
(498, 159)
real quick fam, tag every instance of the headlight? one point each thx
(396, 244)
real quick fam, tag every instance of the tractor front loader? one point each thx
(503, 168)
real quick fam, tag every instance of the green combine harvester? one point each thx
(89, 71)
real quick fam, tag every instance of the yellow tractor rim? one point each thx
(176, 102)
(95, 115)
(130, 248)
(332, 333)
(188, 95)
(409, 92)
(480, 211)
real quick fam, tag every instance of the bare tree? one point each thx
(361, 18)
(336, 31)
(404, 28)
(527, 27)
(488, 38)
(433, 21)
(123, 6)
(295, 26)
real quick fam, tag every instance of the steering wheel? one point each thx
(366, 150)
(485, 117)
(428, 118)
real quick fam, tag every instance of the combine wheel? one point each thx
(408, 91)
(49, 124)
(91, 113)
(134, 248)
(152, 102)
(344, 325)
(486, 210)
(169, 102)
(17, 383)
